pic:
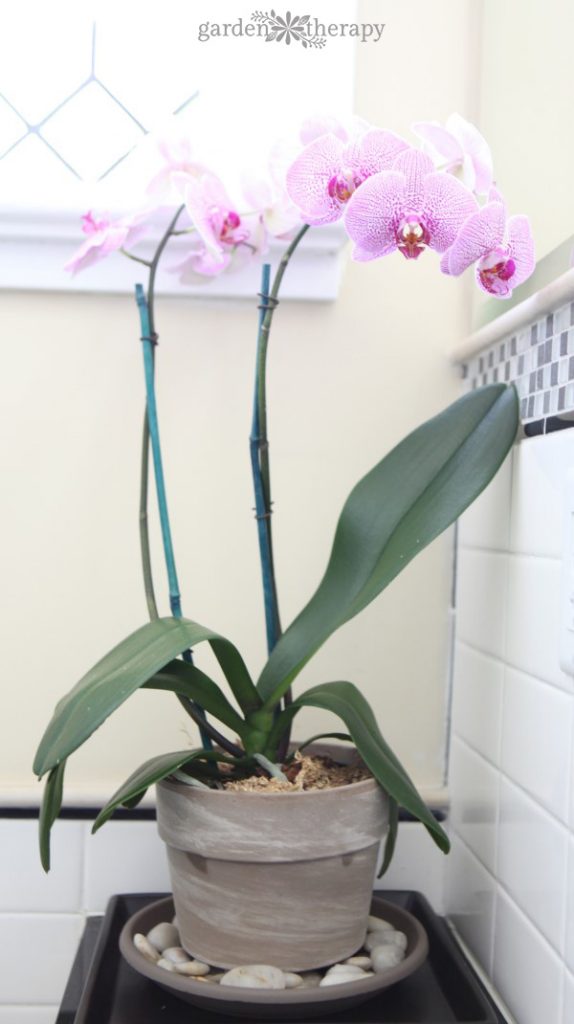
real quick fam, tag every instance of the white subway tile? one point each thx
(24, 885)
(469, 901)
(526, 971)
(474, 786)
(568, 1012)
(417, 864)
(28, 1014)
(486, 524)
(532, 860)
(56, 936)
(569, 950)
(534, 618)
(540, 466)
(481, 599)
(477, 700)
(536, 739)
(124, 856)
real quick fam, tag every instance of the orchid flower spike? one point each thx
(410, 208)
(504, 249)
(105, 236)
(459, 148)
(326, 174)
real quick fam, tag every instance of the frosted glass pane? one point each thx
(91, 132)
(45, 54)
(152, 89)
(12, 127)
(32, 176)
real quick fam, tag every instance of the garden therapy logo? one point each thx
(291, 28)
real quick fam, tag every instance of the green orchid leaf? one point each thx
(123, 671)
(50, 809)
(407, 500)
(135, 787)
(324, 736)
(391, 841)
(348, 703)
(188, 681)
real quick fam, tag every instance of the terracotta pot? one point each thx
(279, 878)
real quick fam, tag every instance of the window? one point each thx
(83, 84)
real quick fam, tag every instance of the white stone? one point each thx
(292, 980)
(254, 976)
(399, 939)
(176, 954)
(384, 957)
(344, 977)
(145, 948)
(378, 924)
(358, 961)
(166, 964)
(345, 969)
(193, 968)
(375, 939)
(163, 936)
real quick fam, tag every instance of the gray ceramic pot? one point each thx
(279, 878)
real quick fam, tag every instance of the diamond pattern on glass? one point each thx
(91, 132)
(12, 127)
(147, 96)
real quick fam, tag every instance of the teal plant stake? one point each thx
(262, 502)
(148, 340)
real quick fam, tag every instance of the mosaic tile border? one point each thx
(539, 360)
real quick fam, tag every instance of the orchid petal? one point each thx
(373, 213)
(314, 127)
(480, 234)
(375, 151)
(521, 248)
(309, 176)
(444, 147)
(415, 166)
(476, 147)
(447, 204)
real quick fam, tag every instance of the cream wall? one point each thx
(346, 382)
(527, 96)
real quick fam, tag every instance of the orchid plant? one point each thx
(390, 196)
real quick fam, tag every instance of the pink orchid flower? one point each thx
(223, 239)
(104, 237)
(504, 249)
(460, 148)
(327, 173)
(178, 168)
(410, 208)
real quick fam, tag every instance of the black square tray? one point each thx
(103, 988)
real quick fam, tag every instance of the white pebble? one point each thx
(176, 954)
(193, 968)
(375, 939)
(399, 939)
(384, 957)
(378, 924)
(254, 976)
(358, 961)
(345, 969)
(166, 964)
(145, 948)
(292, 980)
(343, 977)
(163, 936)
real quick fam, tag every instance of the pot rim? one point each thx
(364, 783)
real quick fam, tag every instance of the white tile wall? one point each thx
(49, 911)
(510, 880)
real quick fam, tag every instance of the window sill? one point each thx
(34, 248)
